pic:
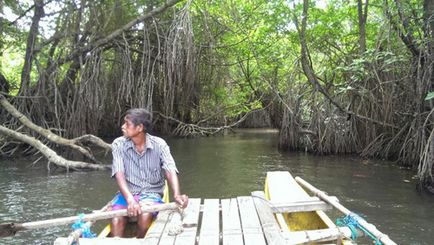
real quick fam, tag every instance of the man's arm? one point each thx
(133, 207)
(172, 178)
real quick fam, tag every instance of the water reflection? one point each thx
(221, 167)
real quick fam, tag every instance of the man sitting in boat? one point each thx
(141, 162)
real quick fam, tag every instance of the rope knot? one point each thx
(176, 226)
(352, 221)
(80, 225)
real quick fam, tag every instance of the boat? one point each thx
(284, 213)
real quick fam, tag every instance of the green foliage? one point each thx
(360, 68)
(11, 66)
(248, 51)
(250, 35)
(12, 45)
(429, 96)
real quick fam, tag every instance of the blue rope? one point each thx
(352, 222)
(79, 224)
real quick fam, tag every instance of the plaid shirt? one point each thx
(143, 171)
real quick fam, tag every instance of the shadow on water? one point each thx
(221, 167)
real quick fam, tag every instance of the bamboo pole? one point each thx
(368, 226)
(9, 229)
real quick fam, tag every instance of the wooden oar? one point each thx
(369, 227)
(9, 229)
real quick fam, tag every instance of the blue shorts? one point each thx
(119, 201)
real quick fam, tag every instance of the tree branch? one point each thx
(116, 33)
(310, 74)
(52, 136)
(189, 129)
(49, 153)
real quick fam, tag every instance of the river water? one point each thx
(220, 167)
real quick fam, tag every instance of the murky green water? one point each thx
(219, 167)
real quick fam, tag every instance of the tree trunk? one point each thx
(428, 6)
(31, 41)
(305, 57)
(362, 14)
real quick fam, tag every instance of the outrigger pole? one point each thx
(363, 223)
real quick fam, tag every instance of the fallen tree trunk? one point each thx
(72, 143)
(51, 155)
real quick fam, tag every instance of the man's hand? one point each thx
(133, 208)
(182, 200)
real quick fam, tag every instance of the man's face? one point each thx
(129, 129)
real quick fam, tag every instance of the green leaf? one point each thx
(429, 96)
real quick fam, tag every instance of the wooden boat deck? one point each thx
(208, 221)
(240, 220)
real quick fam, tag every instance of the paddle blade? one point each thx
(7, 230)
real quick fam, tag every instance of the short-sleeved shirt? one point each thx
(144, 172)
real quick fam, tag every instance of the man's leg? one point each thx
(144, 220)
(118, 226)
(118, 223)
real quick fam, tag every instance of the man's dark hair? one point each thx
(140, 116)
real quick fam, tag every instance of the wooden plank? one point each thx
(300, 206)
(252, 231)
(191, 222)
(103, 241)
(282, 182)
(177, 222)
(269, 224)
(231, 224)
(209, 232)
(155, 232)
(167, 239)
(322, 235)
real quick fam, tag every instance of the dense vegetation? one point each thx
(333, 76)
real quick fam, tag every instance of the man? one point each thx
(141, 162)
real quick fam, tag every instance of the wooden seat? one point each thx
(300, 206)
